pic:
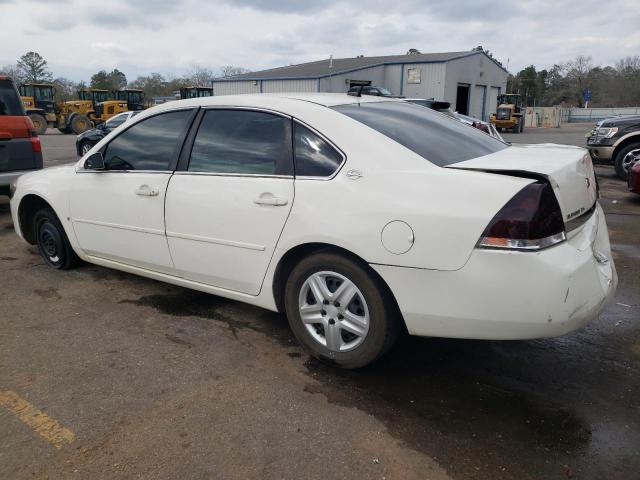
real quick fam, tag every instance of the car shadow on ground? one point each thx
(480, 399)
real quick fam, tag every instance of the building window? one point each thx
(413, 75)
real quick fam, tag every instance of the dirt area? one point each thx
(147, 380)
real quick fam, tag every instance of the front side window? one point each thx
(314, 156)
(437, 138)
(148, 145)
(242, 142)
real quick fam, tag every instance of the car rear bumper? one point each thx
(604, 153)
(501, 295)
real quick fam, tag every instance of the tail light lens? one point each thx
(36, 146)
(531, 220)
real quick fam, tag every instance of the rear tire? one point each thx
(625, 160)
(516, 128)
(351, 335)
(79, 124)
(39, 123)
(52, 241)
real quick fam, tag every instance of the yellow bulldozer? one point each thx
(510, 113)
(92, 107)
(72, 116)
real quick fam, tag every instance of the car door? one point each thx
(118, 213)
(227, 206)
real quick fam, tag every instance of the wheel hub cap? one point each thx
(334, 311)
(630, 159)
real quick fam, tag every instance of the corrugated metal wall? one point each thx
(235, 88)
(431, 84)
(277, 86)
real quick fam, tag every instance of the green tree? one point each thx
(33, 68)
(100, 80)
(153, 85)
(114, 80)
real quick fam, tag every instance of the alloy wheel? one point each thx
(334, 311)
(630, 159)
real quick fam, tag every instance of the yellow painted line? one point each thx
(43, 424)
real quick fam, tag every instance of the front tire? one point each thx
(339, 311)
(52, 241)
(79, 124)
(625, 159)
(85, 147)
(39, 123)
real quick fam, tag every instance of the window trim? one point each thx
(182, 167)
(174, 156)
(326, 139)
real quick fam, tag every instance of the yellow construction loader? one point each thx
(510, 113)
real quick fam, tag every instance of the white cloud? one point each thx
(170, 36)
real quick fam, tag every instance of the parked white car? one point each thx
(357, 216)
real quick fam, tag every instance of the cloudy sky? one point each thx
(80, 37)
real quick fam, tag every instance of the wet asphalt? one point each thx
(156, 381)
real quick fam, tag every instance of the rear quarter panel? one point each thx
(447, 209)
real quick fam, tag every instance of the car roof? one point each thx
(268, 100)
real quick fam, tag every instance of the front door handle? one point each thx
(146, 191)
(270, 199)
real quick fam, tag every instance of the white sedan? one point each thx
(358, 217)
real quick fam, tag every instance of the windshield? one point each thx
(135, 97)
(384, 91)
(437, 138)
(43, 93)
(99, 97)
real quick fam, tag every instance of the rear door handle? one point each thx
(146, 191)
(270, 199)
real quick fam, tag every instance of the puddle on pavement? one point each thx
(449, 400)
(191, 303)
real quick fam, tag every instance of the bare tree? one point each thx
(200, 76)
(230, 71)
(13, 72)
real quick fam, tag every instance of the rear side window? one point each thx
(314, 156)
(441, 140)
(148, 145)
(10, 103)
(242, 142)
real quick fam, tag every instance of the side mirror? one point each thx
(94, 162)
(102, 126)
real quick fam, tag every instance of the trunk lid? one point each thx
(568, 169)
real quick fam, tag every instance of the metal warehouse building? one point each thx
(471, 80)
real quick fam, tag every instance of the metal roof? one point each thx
(328, 67)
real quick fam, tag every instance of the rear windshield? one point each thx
(10, 103)
(435, 137)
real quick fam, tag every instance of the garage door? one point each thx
(492, 104)
(478, 101)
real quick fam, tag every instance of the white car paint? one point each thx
(207, 233)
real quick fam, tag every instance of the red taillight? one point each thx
(35, 144)
(531, 220)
